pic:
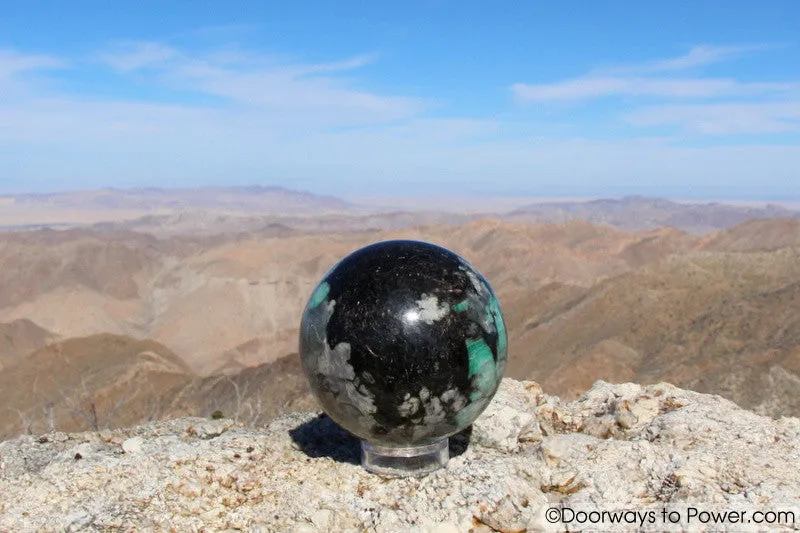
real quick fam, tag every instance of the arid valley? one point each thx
(118, 307)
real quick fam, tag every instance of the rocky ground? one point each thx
(530, 458)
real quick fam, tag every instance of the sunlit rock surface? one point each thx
(617, 447)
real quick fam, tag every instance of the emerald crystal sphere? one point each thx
(403, 343)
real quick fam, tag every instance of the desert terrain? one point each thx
(120, 307)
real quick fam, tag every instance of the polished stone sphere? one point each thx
(403, 343)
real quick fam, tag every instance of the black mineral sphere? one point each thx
(403, 343)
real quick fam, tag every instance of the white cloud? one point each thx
(723, 119)
(698, 56)
(638, 80)
(289, 87)
(20, 73)
(598, 87)
(709, 106)
(14, 63)
(339, 66)
(590, 87)
(136, 56)
(308, 93)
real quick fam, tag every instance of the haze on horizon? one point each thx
(553, 99)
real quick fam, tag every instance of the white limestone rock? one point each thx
(617, 447)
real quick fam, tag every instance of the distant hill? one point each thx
(264, 225)
(252, 395)
(88, 383)
(19, 338)
(109, 381)
(756, 236)
(251, 198)
(79, 208)
(635, 213)
(726, 322)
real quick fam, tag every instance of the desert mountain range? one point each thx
(214, 210)
(635, 213)
(107, 324)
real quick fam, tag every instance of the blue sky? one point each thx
(694, 99)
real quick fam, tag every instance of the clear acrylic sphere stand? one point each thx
(402, 461)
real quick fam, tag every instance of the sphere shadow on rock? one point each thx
(459, 442)
(322, 437)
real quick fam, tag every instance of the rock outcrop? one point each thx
(619, 448)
